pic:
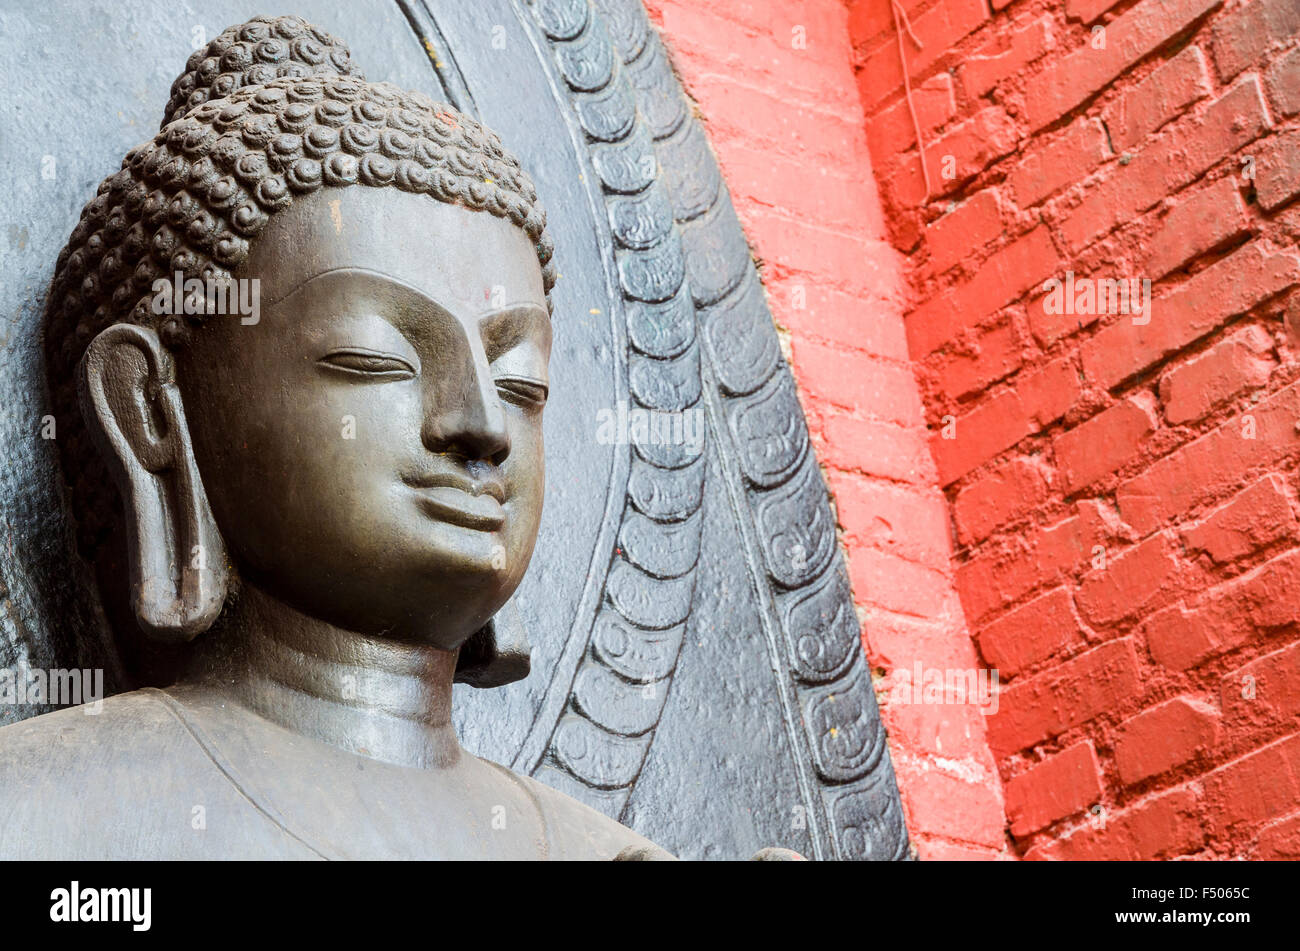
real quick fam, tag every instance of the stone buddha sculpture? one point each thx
(313, 508)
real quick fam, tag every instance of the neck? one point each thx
(386, 700)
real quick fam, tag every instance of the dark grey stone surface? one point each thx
(696, 663)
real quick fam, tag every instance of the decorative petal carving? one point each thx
(597, 757)
(636, 654)
(847, 737)
(666, 495)
(821, 628)
(620, 707)
(769, 431)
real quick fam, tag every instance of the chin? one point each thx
(468, 559)
(440, 631)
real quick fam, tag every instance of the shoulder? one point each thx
(88, 738)
(122, 779)
(575, 831)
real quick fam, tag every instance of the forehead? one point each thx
(467, 261)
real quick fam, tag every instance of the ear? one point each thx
(133, 409)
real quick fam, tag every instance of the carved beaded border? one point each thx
(601, 739)
(810, 621)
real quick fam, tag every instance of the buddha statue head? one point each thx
(362, 447)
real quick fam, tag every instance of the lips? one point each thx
(470, 503)
(459, 507)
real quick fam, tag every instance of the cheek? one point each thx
(278, 450)
(526, 471)
(525, 467)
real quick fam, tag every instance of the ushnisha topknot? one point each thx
(269, 110)
(253, 54)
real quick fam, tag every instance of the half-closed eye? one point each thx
(522, 391)
(371, 364)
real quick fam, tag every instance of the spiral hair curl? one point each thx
(269, 110)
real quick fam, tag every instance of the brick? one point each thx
(943, 729)
(1039, 398)
(1195, 224)
(938, 850)
(1014, 488)
(738, 111)
(1163, 826)
(903, 193)
(1241, 37)
(1096, 448)
(1049, 392)
(967, 228)
(993, 426)
(1059, 786)
(869, 18)
(1259, 786)
(1003, 277)
(829, 197)
(1240, 362)
(968, 148)
(998, 577)
(1069, 157)
(1170, 89)
(1277, 171)
(1005, 55)
(810, 308)
(1145, 576)
(970, 370)
(1253, 518)
(1180, 637)
(905, 520)
(1047, 704)
(760, 15)
(1167, 826)
(1181, 155)
(891, 131)
(1264, 693)
(1129, 38)
(1283, 83)
(1231, 286)
(1164, 736)
(1087, 10)
(939, 803)
(1280, 840)
(855, 262)
(899, 585)
(759, 52)
(1227, 615)
(1087, 297)
(896, 642)
(1213, 463)
(937, 29)
(857, 382)
(876, 448)
(1049, 320)
(1031, 633)
(1291, 316)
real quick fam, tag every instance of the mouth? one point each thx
(476, 504)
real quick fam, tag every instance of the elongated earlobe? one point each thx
(133, 409)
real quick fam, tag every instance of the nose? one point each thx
(463, 413)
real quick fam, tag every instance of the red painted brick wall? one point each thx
(774, 85)
(1112, 495)
(1122, 486)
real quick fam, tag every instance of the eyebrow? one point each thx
(539, 319)
(487, 318)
